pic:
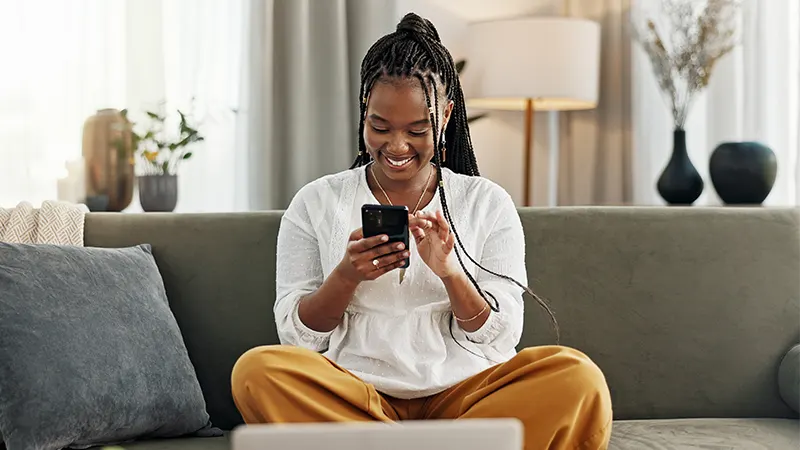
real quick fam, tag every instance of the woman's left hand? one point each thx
(434, 242)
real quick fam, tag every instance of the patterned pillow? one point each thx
(96, 354)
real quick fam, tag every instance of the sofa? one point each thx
(688, 311)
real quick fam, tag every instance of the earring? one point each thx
(444, 149)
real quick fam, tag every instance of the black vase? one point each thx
(158, 193)
(680, 183)
(743, 172)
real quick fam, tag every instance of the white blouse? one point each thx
(397, 335)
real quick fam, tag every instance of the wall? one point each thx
(499, 138)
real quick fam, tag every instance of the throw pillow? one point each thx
(90, 353)
(789, 378)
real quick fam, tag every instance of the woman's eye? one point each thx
(378, 130)
(418, 133)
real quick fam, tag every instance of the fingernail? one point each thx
(405, 254)
(399, 246)
(384, 238)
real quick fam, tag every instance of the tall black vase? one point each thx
(680, 183)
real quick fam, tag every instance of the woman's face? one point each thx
(397, 129)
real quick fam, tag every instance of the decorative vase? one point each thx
(743, 172)
(680, 183)
(108, 159)
(158, 193)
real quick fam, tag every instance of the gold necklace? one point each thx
(424, 189)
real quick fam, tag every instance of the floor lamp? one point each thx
(534, 64)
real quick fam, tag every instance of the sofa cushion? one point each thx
(789, 378)
(97, 355)
(680, 434)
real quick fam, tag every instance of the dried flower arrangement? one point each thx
(684, 44)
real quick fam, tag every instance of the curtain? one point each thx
(595, 146)
(61, 62)
(752, 95)
(73, 58)
(300, 94)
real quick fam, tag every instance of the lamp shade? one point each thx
(554, 61)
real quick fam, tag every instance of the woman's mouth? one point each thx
(398, 163)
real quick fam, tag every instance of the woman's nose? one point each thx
(397, 144)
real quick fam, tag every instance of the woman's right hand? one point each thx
(369, 258)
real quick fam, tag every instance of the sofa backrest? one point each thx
(686, 310)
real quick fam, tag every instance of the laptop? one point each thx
(461, 434)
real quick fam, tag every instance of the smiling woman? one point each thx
(363, 342)
(398, 138)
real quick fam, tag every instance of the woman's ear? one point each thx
(448, 109)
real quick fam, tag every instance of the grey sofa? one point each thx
(688, 311)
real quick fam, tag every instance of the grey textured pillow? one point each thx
(789, 378)
(90, 352)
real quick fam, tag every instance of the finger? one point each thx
(422, 223)
(418, 233)
(425, 215)
(442, 221)
(357, 234)
(399, 256)
(385, 269)
(443, 226)
(383, 261)
(451, 242)
(382, 250)
(365, 244)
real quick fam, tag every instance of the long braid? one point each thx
(415, 50)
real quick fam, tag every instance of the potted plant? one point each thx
(684, 44)
(159, 150)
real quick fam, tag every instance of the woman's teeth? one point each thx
(399, 163)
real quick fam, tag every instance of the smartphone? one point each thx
(389, 220)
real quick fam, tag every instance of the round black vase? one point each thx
(680, 183)
(158, 193)
(743, 173)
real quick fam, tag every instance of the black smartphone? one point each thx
(389, 220)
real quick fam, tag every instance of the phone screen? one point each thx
(389, 220)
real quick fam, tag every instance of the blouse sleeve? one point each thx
(299, 273)
(503, 253)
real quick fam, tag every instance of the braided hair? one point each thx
(415, 50)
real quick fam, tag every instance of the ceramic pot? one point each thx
(743, 172)
(158, 193)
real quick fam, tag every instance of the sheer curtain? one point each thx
(61, 62)
(65, 60)
(754, 94)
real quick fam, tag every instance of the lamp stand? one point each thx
(528, 150)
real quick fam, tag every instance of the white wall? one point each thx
(498, 138)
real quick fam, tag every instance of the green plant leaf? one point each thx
(153, 115)
(187, 156)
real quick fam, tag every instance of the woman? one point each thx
(366, 340)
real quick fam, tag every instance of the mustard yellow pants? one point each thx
(558, 393)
